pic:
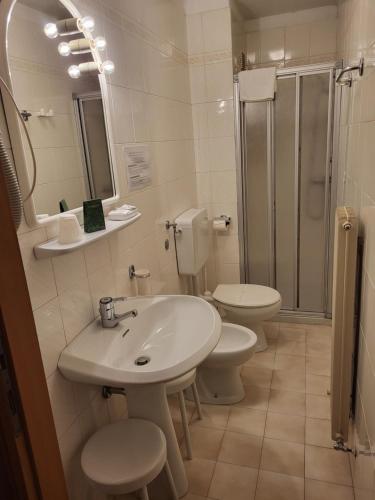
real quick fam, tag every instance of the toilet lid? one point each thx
(246, 295)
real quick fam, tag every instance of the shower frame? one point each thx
(330, 195)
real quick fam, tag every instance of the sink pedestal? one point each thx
(150, 402)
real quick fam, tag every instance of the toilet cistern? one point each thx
(108, 315)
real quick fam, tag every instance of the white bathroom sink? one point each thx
(175, 332)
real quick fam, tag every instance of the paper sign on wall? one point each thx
(138, 161)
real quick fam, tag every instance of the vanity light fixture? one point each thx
(86, 23)
(69, 26)
(81, 46)
(100, 43)
(107, 67)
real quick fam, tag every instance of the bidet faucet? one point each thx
(107, 312)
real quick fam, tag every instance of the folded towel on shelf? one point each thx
(122, 214)
(257, 85)
(131, 208)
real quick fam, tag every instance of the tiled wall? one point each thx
(211, 79)
(303, 37)
(356, 37)
(150, 100)
(41, 81)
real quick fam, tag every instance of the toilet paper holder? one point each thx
(226, 218)
(138, 273)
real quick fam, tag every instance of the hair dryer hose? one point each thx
(11, 181)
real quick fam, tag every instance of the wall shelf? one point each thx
(53, 248)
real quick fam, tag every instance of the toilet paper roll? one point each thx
(220, 225)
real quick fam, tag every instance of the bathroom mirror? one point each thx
(65, 109)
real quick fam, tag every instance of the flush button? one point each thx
(142, 360)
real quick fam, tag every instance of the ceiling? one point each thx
(252, 9)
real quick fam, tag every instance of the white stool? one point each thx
(125, 457)
(178, 385)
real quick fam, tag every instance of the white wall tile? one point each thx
(219, 81)
(195, 34)
(297, 41)
(216, 30)
(272, 45)
(51, 334)
(39, 273)
(323, 37)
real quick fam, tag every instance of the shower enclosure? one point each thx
(286, 180)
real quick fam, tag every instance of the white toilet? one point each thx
(248, 305)
(219, 376)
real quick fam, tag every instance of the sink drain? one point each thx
(142, 360)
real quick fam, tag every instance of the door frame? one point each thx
(28, 439)
(331, 176)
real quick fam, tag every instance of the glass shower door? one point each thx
(286, 205)
(287, 179)
(313, 199)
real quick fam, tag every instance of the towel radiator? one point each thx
(344, 284)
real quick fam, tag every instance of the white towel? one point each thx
(120, 214)
(257, 84)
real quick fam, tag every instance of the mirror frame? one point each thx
(14, 126)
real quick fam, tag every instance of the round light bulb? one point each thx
(100, 42)
(87, 23)
(74, 71)
(108, 67)
(64, 49)
(51, 30)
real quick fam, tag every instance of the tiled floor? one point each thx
(275, 444)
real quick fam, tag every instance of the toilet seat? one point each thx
(246, 296)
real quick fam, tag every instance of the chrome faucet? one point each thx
(107, 312)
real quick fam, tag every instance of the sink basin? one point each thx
(171, 334)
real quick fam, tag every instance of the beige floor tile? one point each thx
(318, 366)
(199, 473)
(255, 375)
(293, 326)
(294, 347)
(241, 449)
(324, 330)
(247, 421)
(283, 457)
(318, 490)
(213, 416)
(285, 427)
(328, 465)
(288, 402)
(318, 406)
(289, 380)
(318, 432)
(272, 343)
(255, 397)
(262, 359)
(317, 384)
(174, 408)
(205, 443)
(274, 486)
(287, 362)
(318, 346)
(233, 482)
(297, 333)
(271, 329)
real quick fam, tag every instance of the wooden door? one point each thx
(30, 463)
